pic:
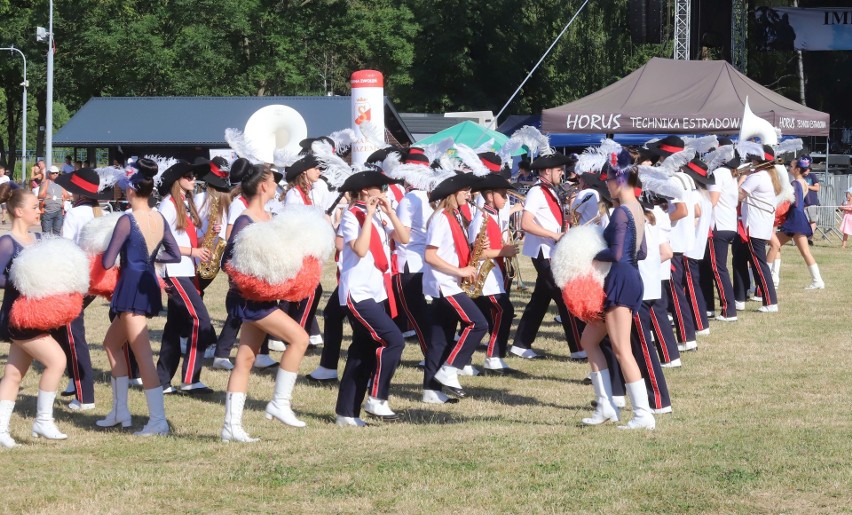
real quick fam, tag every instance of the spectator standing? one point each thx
(68, 167)
(51, 198)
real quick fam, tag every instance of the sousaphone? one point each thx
(274, 127)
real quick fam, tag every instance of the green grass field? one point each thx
(760, 424)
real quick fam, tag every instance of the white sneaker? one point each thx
(349, 422)
(210, 352)
(315, 340)
(198, 387)
(688, 346)
(323, 374)
(581, 355)
(772, 308)
(703, 332)
(448, 376)
(437, 397)
(222, 364)
(379, 408)
(675, 363)
(755, 299)
(721, 318)
(277, 345)
(80, 406)
(662, 411)
(264, 361)
(494, 364)
(409, 334)
(816, 285)
(739, 305)
(524, 353)
(468, 370)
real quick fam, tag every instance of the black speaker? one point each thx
(636, 16)
(654, 21)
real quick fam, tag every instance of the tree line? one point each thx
(436, 55)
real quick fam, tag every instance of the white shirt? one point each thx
(393, 190)
(536, 204)
(294, 197)
(439, 234)
(359, 277)
(505, 212)
(186, 267)
(664, 229)
(4, 178)
(759, 212)
(74, 221)
(236, 209)
(682, 235)
(413, 212)
(494, 282)
(725, 211)
(649, 268)
(204, 213)
(702, 226)
(585, 205)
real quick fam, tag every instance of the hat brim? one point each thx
(654, 148)
(64, 181)
(493, 181)
(302, 165)
(705, 180)
(551, 161)
(176, 171)
(366, 179)
(217, 183)
(452, 185)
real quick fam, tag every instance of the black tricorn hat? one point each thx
(175, 172)
(593, 181)
(415, 156)
(380, 155)
(551, 161)
(492, 181)
(697, 169)
(308, 142)
(212, 174)
(84, 182)
(451, 185)
(365, 179)
(666, 146)
(303, 164)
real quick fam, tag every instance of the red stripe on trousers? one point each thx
(465, 332)
(677, 312)
(420, 339)
(723, 301)
(647, 357)
(192, 347)
(309, 302)
(374, 390)
(658, 332)
(763, 286)
(496, 319)
(78, 387)
(690, 287)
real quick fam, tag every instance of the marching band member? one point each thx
(757, 192)
(723, 196)
(218, 191)
(140, 237)
(447, 263)
(85, 188)
(366, 290)
(625, 240)
(27, 344)
(186, 313)
(697, 170)
(543, 223)
(494, 301)
(256, 234)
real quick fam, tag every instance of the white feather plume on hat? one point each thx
(718, 157)
(673, 163)
(485, 147)
(334, 168)
(109, 176)
(788, 146)
(434, 151)
(507, 151)
(660, 181)
(163, 164)
(750, 148)
(702, 144)
(593, 158)
(532, 138)
(274, 251)
(417, 176)
(470, 159)
(375, 136)
(68, 265)
(343, 139)
(243, 147)
(284, 157)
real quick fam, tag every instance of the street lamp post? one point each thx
(25, 84)
(49, 111)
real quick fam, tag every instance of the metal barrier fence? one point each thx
(828, 223)
(833, 187)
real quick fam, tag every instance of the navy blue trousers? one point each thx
(498, 310)
(447, 312)
(717, 246)
(333, 316)
(694, 295)
(375, 353)
(408, 288)
(72, 339)
(186, 314)
(664, 336)
(305, 310)
(679, 307)
(544, 292)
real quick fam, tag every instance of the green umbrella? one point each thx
(470, 134)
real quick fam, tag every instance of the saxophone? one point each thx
(473, 287)
(208, 269)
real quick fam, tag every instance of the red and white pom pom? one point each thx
(94, 239)
(282, 259)
(580, 278)
(52, 277)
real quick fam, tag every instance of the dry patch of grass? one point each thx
(759, 425)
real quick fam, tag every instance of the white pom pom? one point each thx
(273, 251)
(574, 255)
(95, 235)
(53, 266)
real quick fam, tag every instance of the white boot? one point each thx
(43, 424)
(643, 417)
(775, 270)
(233, 430)
(279, 406)
(6, 408)
(119, 413)
(816, 278)
(157, 423)
(605, 411)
